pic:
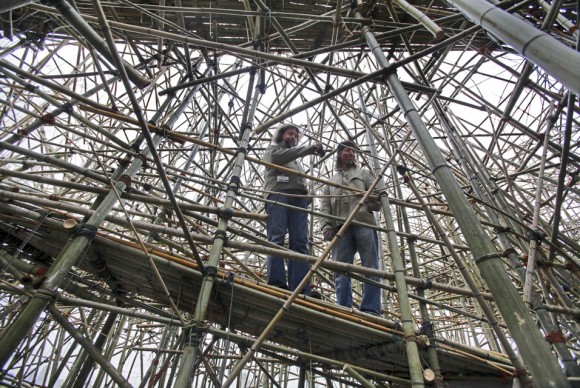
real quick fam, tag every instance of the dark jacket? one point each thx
(282, 155)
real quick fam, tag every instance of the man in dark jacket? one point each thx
(340, 202)
(291, 190)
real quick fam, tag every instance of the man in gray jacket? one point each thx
(340, 202)
(287, 189)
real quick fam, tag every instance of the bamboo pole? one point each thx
(531, 344)
(533, 44)
(536, 234)
(194, 332)
(407, 319)
(431, 26)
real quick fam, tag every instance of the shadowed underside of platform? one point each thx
(311, 326)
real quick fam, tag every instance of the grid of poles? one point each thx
(147, 122)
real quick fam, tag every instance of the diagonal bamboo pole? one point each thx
(535, 45)
(407, 320)
(530, 342)
(280, 314)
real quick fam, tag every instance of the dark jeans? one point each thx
(365, 242)
(282, 221)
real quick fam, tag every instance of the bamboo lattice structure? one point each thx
(132, 224)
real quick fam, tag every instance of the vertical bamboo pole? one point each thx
(532, 345)
(473, 169)
(407, 320)
(536, 235)
(194, 333)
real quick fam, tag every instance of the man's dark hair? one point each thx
(342, 145)
(283, 128)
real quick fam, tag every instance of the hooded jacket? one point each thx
(284, 155)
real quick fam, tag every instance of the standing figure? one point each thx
(340, 202)
(288, 189)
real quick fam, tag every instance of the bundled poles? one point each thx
(535, 352)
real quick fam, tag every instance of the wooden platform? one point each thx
(310, 325)
(307, 23)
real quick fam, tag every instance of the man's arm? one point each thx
(281, 156)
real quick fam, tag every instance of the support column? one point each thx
(533, 347)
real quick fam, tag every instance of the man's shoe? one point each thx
(315, 294)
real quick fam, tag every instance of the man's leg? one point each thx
(276, 228)
(343, 252)
(298, 242)
(368, 249)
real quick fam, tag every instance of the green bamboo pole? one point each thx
(485, 307)
(194, 333)
(535, 352)
(532, 43)
(407, 320)
(473, 168)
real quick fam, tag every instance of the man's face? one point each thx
(347, 156)
(290, 136)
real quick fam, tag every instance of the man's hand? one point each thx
(328, 232)
(318, 150)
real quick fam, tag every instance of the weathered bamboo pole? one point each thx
(89, 347)
(195, 332)
(407, 320)
(530, 343)
(533, 44)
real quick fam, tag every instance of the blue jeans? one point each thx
(365, 241)
(282, 221)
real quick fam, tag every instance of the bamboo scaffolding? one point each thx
(482, 103)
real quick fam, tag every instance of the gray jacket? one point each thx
(282, 155)
(340, 202)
